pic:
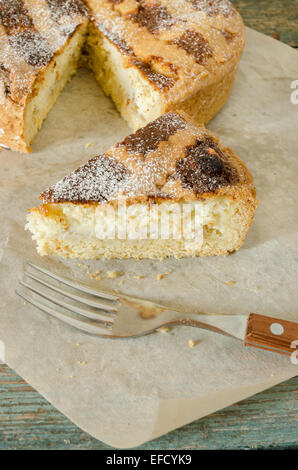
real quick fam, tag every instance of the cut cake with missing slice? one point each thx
(149, 56)
(170, 189)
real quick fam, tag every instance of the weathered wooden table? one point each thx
(268, 420)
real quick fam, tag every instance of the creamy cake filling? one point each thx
(132, 95)
(51, 82)
(194, 226)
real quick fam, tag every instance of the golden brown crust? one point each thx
(167, 28)
(169, 159)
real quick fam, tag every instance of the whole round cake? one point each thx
(149, 56)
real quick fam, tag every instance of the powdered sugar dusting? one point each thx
(32, 32)
(115, 38)
(146, 140)
(195, 44)
(153, 17)
(143, 173)
(30, 40)
(26, 39)
(31, 47)
(213, 7)
(173, 23)
(67, 7)
(161, 81)
(64, 11)
(14, 15)
(100, 179)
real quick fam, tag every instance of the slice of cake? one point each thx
(170, 189)
(149, 56)
(40, 46)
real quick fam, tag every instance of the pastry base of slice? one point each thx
(24, 122)
(89, 231)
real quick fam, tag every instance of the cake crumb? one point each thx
(114, 274)
(159, 276)
(163, 329)
(78, 344)
(82, 363)
(230, 283)
(191, 343)
(94, 276)
(90, 144)
(139, 277)
(111, 274)
(121, 282)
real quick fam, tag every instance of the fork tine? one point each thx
(72, 308)
(78, 298)
(82, 325)
(75, 284)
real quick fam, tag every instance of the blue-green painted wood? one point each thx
(277, 18)
(267, 420)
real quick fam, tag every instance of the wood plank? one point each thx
(267, 420)
(276, 18)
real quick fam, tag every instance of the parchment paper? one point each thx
(127, 392)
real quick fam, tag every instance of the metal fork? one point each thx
(114, 315)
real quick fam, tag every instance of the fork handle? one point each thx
(271, 334)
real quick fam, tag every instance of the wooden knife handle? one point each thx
(271, 334)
